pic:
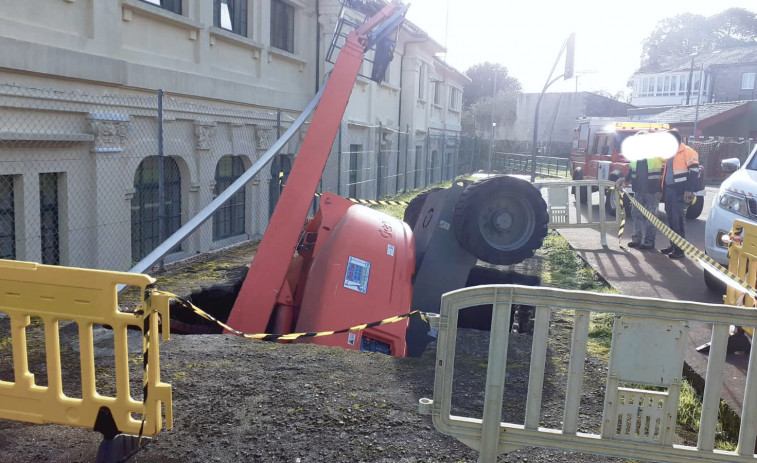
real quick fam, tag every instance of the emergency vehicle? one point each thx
(596, 154)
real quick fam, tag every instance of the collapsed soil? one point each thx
(240, 400)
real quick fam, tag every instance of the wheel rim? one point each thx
(506, 222)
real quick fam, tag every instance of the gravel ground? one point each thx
(237, 400)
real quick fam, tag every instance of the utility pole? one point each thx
(491, 137)
(699, 97)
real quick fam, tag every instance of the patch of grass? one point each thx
(399, 211)
(600, 334)
(565, 269)
(689, 412)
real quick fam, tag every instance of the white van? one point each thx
(736, 199)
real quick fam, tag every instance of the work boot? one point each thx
(677, 254)
(646, 246)
(634, 244)
(668, 250)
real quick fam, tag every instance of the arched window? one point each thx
(228, 220)
(280, 168)
(148, 210)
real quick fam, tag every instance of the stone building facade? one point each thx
(84, 136)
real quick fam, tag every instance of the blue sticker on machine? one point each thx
(356, 277)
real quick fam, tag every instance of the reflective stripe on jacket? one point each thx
(654, 174)
(685, 169)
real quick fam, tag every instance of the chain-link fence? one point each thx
(100, 180)
(713, 150)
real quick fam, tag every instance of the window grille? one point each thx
(282, 25)
(228, 220)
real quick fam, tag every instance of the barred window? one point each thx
(454, 98)
(747, 81)
(48, 218)
(282, 25)
(422, 82)
(228, 220)
(231, 15)
(147, 206)
(174, 6)
(355, 150)
(418, 164)
(7, 218)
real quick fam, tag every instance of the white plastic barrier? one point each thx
(648, 341)
(564, 213)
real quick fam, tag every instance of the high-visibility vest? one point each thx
(654, 174)
(685, 166)
(654, 168)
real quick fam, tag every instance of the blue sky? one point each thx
(526, 36)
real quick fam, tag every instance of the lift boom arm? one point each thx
(266, 282)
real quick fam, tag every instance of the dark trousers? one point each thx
(674, 208)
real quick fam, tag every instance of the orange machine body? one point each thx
(358, 270)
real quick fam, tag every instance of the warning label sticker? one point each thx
(356, 277)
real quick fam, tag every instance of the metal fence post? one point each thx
(339, 163)
(276, 168)
(161, 179)
(407, 154)
(378, 162)
(397, 167)
(444, 167)
(426, 156)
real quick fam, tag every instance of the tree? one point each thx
(477, 117)
(689, 33)
(680, 35)
(733, 28)
(482, 82)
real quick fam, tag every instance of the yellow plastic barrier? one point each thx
(742, 261)
(87, 297)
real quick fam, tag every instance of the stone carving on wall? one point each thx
(205, 132)
(264, 137)
(110, 131)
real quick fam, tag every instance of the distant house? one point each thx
(557, 117)
(727, 75)
(733, 119)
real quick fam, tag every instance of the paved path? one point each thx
(651, 274)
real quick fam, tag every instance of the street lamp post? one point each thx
(569, 45)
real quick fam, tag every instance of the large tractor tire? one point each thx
(695, 210)
(578, 174)
(415, 206)
(501, 220)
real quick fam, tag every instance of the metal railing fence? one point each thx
(101, 180)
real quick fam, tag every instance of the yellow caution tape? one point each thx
(622, 211)
(283, 337)
(374, 202)
(688, 248)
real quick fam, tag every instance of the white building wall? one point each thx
(78, 96)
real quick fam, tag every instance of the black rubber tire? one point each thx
(611, 200)
(480, 317)
(501, 220)
(713, 283)
(415, 206)
(695, 210)
(578, 174)
(611, 203)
